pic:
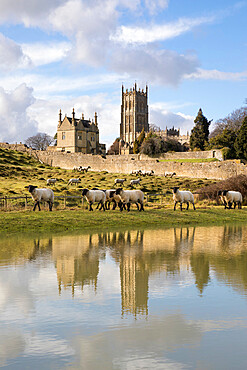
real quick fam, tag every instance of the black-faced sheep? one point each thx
(181, 197)
(221, 197)
(131, 196)
(233, 197)
(93, 196)
(135, 182)
(74, 181)
(39, 195)
(119, 181)
(51, 181)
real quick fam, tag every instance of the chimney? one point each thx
(95, 119)
(82, 116)
(73, 117)
(60, 117)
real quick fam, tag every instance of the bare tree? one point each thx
(40, 141)
(232, 122)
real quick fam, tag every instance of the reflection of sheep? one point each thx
(131, 196)
(74, 181)
(93, 196)
(135, 182)
(51, 181)
(181, 197)
(39, 195)
(233, 197)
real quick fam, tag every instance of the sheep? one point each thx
(51, 181)
(112, 197)
(74, 181)
(39, 195)
(181, 197)
(170, 174)
(84, 169)
(136, 172)
(221, 197)
(131, 196)
(93, 196)
(119, 181)
(233, 197)
(135, 182)
(148, 173)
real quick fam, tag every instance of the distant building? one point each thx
(173, 134)
(78, 135)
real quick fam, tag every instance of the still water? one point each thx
(152, 299)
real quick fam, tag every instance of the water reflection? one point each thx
(139, 255)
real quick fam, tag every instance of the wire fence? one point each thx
(65, 201)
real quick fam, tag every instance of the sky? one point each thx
(65, 54)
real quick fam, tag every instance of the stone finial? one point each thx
(96, 119)
(60, 117)
(82, 116)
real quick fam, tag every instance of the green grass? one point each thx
(83, 220)
(190, 160)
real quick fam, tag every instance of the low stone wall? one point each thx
(214, 153)
(125, 164)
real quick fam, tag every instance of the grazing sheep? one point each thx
(221, 197)
(170, 174)
(181, 197)
(148, 173)
(93, 196)
(135, 182)
(233, 197)
(74, 181)
(84, 169)
(39, 195)
(119, 181)
(51, 181)
(131, 196)
(136, 172)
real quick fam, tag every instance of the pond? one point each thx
(145, 299)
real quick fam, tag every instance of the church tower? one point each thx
(134, 113)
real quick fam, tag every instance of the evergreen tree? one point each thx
(226, 139)
(241, 141)
(200, 132)
(138, 142)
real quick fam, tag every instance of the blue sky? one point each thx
(76, 53)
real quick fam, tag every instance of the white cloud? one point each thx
(202, 74)
(155, 6)
(148, 34)
(11, 55)
(164, 67)
(45, 53)
(15, 123)
(163, 117)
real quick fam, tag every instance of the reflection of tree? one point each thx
(200, 267)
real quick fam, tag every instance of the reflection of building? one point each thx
(79, 135)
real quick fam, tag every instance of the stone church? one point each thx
(134, 117)
(78, 135)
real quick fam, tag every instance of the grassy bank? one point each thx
(70, 220)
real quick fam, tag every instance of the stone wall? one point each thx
(215, 153)
(125, 164)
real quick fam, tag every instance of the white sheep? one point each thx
(51, 181)
(112, 197)
(119, 181)
(93, 196)
(233, 197)
(131, 196)
(39, 195)
(148, 173)
(135, 182)
(74, 181)
(181, 197)
(136, 172)
(170, 174)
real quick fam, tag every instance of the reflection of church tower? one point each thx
(134, 286)
(134, 114)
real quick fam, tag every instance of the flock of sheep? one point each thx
(124, 198)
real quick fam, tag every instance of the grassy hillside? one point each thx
(18, 170)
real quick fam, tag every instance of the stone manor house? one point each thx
(134, 117)
(79, 135)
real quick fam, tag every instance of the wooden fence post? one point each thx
(5, 202)
(26, 202)
(65, 201)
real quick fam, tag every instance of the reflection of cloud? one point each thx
(146, 341)
(12, 344)
(46, 345)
